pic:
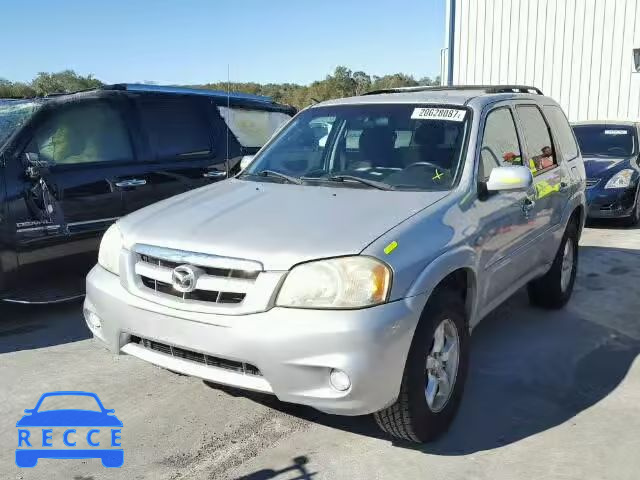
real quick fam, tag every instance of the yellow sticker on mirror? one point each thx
(391, 247)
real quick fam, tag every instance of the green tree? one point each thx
(63, 82)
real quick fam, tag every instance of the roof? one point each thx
(137, 87)
(457, 95)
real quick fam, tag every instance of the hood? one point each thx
(276, 224)
(69, 418)
(597, 167)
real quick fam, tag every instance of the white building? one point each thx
(583, 53)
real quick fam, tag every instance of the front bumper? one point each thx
(293, 349)
(611, 203)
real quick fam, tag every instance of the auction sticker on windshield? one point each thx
(451, 114)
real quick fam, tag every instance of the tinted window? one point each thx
(91, 132)
(500, 144)
(404, 146)
(539, 147)
(251, 127)
(562, 131)
(176, 127)
(13, 114)
(606, 140)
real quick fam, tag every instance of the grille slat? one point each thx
(153, 270)
(197, 357)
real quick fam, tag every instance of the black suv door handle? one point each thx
(215, 174)
(133, 182)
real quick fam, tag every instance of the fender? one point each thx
(461, 257)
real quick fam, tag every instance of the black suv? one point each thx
(72, 164)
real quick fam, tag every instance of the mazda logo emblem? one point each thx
(184, 278)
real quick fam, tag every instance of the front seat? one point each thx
(428, 139)
(377, 146)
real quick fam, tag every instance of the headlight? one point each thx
(622, 179)
(110, 246)
(346, 282)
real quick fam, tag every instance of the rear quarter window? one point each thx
(562, 132)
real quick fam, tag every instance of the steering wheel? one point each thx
(491, 152)
(611, 149)
(424, 164)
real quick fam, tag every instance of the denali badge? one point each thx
(184, 278)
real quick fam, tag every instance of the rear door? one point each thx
(180, 148)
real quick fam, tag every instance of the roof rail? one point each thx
(137, 87)
(483, 88)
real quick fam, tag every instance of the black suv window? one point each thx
(83, 133)
(539, 146)
(176, 127)
(563, 132)
(500, 145)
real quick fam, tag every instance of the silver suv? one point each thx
(345, 267)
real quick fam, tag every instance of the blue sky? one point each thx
(192, 41)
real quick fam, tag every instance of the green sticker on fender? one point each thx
(391, 247)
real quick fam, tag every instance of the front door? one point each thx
(551, 180)
(61, 214)
(508, 222)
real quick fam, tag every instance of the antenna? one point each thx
(229, 119)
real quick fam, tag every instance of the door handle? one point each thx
(527, 205)
(133, 182)
(214, 174)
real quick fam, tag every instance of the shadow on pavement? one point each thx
(24, 327)
(298, 467)
(531, 370)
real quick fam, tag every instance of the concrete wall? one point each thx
(580, 52)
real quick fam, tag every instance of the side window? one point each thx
(539, 147)
(83, 133)
(563, 132)
(253, 127)
(176, 127)
(500, 144)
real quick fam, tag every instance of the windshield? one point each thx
(606, 140)
(66, 402)
(13, 114)
(399, 147)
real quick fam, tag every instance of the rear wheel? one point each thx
(554, 289)
(434, 373)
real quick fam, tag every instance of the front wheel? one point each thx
(434, 373)
(554, 289)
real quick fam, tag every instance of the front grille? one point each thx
(214, 272)
(220, 280)
(197, 357)
(592, 182)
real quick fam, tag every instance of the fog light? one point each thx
(339, 380)
(92, 319)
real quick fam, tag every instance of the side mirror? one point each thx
(34, 167)
(246, 161)
(510, 178)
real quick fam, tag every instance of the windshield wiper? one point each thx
(273, 173)
(364, 181)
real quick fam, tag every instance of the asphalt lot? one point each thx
(550, 395)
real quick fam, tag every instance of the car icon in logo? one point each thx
(36, 431)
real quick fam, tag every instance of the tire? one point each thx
(411, 417)
(634, 218)
(550, 291)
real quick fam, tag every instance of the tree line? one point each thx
(343, 82)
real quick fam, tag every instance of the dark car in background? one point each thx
(612, 161)
(72, 164)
